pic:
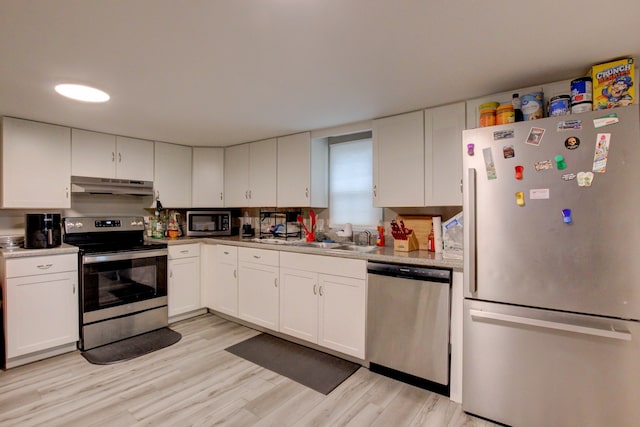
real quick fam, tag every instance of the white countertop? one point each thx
(385, 254)
(22, 252)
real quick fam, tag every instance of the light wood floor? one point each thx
(196, 382)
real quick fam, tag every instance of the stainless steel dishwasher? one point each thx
(408, 324)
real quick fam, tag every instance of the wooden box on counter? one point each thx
(421, 226)
(411, 244)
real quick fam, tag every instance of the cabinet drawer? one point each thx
(31, 266)
(345, 267)
(227, 254)
(184, 251)
(259, 256)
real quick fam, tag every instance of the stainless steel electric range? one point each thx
(123, 279)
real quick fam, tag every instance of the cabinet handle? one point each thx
(45, 266)
(315, 289)
(170, 273)
(221, 195)
(74, 288)
(226, 253)
(249, 194)
(375, 191)
(275, 282)
(66, 192)
(119, 157)
(184, 251)
(113, 156)
(235, 274)
(257, 256)
(246, 194)
(320, 290)
(306, 192)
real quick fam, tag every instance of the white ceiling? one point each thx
(221, 72)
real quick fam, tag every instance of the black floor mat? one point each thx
(314, 369)
(133, 347)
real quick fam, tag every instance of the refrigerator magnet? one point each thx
(566, 216)
(572, 143)
(503, 134)
(610, 119)
(519, 198)
(535, 136)
(489, 165)
(566, 125)
(539, 194)
(543, 165)
(601, 153)
(585, 179)
(569, 176)
(508, 152)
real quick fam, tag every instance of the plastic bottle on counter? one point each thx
(517, 107)
(380, 239)
(157, 230)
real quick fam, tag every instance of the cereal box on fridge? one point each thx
(613, 84)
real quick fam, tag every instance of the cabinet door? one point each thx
(342, 314)
(258, 294)
(41, 312)
(398, 160)
(262, 173)
(225, 284)
(443, 154)
(36, 165)
(299, 304)
(294, 170)
(236, 176)
(93, 154)
(183, 285)
(208, 177)
(135, 159)
(172, 175)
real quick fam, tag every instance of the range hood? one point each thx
(84, 184)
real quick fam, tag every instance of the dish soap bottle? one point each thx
(380, 238)
(157, 231)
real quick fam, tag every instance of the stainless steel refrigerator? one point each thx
(552, 271)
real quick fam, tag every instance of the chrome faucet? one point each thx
(368, 233)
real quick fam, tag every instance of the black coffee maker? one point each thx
(42, 231)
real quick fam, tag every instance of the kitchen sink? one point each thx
(355, 248)
(323, 245)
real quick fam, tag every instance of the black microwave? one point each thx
(208, 223)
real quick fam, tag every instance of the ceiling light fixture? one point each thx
(82, 93)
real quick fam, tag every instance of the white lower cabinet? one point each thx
(184, 279)
(224, 288)
(258, 293)
(318, 306)
(40, 306)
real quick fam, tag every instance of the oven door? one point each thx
(117, 284)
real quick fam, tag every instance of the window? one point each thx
(350, 181)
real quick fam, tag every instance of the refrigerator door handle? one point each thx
(527, 321)
(470, 226)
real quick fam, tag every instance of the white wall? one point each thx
(12, 220)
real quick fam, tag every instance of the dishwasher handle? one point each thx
(440, 275)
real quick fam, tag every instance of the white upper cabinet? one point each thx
(172, 175)
(443, 154)
(102, 155)
(250, 174)
(398, 160)
(207, 182)
(262, 172)
(303, 166)
(134, 159)
(36, 165)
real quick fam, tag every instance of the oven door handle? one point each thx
(123, 256)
